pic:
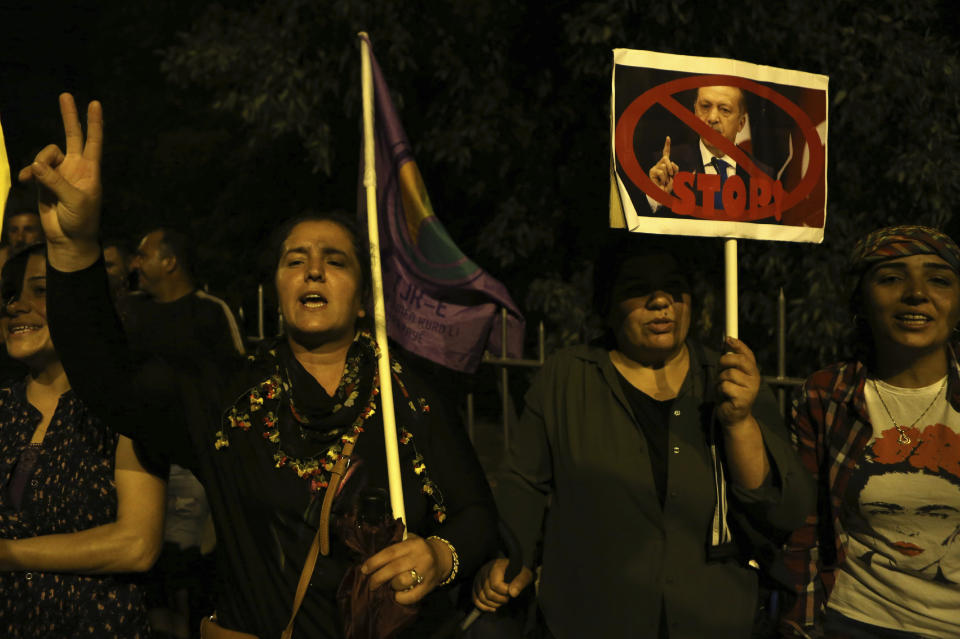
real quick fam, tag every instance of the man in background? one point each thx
(174, 318)
(21, 222)
(171, 318)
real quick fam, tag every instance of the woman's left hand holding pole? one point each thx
(70, 190)
(414, 567)
(738, 385)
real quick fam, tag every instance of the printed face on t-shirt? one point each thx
(915, 517)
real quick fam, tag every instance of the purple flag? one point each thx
(439, 303)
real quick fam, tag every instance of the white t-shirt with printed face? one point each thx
(901, 516)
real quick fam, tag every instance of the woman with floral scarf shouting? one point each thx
(282, 439)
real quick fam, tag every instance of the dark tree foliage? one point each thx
(224, 118)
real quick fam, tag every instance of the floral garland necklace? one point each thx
(267, 398)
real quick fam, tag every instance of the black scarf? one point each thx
(310, 420)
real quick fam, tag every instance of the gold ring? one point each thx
(416, 578)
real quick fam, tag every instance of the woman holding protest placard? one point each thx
(287, 443)
(643, 469)
(881, 433)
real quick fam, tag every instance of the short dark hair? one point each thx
(19, 212)
(346, 222)
(12, 213)
(175, 243)
(113, 242)
(20, 200)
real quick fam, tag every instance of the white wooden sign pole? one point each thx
(730, 277)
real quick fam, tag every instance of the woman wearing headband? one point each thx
(881, 433)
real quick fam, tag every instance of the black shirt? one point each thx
(653, 418)
(196, 325)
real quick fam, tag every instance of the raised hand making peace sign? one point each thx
(69, 188)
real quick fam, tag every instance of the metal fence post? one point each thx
(471, 426)
(782, 349)
(504, 380)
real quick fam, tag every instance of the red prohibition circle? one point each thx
(663, 95)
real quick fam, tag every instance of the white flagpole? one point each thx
(379, 311)
(730, 272)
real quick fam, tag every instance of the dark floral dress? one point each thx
(70, 487)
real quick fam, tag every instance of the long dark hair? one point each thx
(11, 277)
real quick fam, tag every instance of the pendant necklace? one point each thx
(904, 438)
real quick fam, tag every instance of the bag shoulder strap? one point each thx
(321, 540)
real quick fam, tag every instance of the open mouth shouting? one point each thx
(313, 301)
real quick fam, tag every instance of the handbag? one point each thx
(210, 629)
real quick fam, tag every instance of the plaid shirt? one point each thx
(831, 428)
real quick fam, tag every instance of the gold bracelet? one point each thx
(453, 556)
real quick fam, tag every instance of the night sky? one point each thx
(48, 47)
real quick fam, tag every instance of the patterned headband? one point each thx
(903, 241)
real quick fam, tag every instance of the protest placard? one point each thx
(717, 147)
